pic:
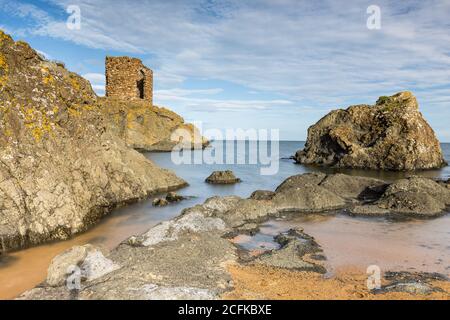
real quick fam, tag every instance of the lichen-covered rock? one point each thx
(222, 177)
(148, 127)
(391, 135)
(61, 169)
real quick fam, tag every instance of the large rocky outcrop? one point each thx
(149, 128)
(61, 166)
(391, 135)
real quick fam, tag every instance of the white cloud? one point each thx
(187, 92)
(97, 81)
(95, 77)
(214, 105)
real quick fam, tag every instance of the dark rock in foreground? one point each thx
(418, 283)
(222, 177)
(391, 135)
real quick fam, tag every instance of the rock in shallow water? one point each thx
(391, 135)
(296, 248)
(171, 197)
(222, 177)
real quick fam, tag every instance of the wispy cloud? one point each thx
(195, 99)
(98, 81)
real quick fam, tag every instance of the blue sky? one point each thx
(255, 64)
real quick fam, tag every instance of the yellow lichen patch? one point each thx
(88, 107)
(131, 116)
(3, 70)
(74, 112)
(37, 122)
(74, 83)
(4, 36)
(47, 77)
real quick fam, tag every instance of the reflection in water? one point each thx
(412, 245)
(345, 240)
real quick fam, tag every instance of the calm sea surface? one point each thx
(417, 245)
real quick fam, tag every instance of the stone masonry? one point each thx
(128, 78)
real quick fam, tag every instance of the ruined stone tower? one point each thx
(128, 78)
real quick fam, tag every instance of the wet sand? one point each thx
(259, 282)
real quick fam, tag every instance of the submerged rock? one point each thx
(174, 197)
(391, 135)
(222, 177)
(160, 202)
(171, 197)
(320, 193)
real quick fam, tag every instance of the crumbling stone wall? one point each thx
(128, 78)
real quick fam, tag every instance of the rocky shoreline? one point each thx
(193, 255)
(66, 155)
